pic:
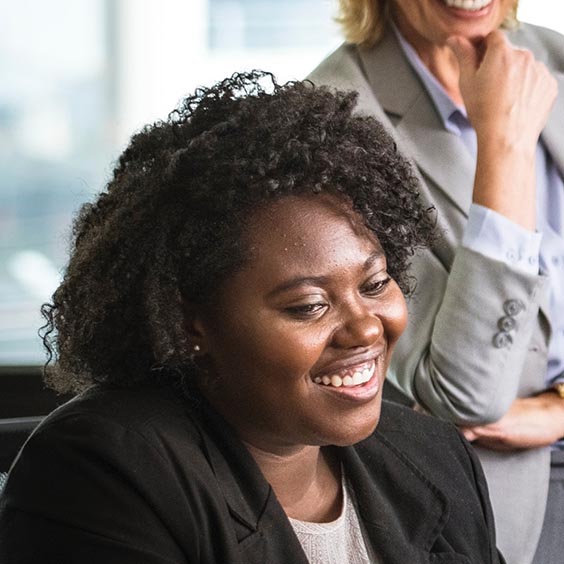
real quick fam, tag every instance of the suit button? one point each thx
(507, 323)
(502, 340)
(513, 307)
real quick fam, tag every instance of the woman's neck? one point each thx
(442, 63)
(306, 481)
(438, 58)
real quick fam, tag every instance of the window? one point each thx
(55, 140)
(77, 78)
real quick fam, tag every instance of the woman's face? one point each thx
(433, 21)
(300, 339)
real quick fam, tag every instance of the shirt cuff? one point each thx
(557, 380)
(494, 236)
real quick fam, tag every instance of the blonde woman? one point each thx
(471, 95)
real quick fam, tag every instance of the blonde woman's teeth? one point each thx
(471, 5)
(356, 378)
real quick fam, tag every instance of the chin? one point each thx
(356, 432)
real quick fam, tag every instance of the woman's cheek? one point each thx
(396, 317)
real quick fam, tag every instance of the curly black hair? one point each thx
(169, 225)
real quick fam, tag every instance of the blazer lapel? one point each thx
(553, 133)
(262, 530)
(441, 156)
(402, 510)
(553, 139)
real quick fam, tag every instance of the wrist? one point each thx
(551, 403)
(499, 141)
(555, 404)
(506, 184)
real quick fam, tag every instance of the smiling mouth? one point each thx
(470, 5)
(350, 377)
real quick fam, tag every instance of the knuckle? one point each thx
(497, 36)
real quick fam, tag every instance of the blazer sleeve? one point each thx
(77, 493)
(473, 342)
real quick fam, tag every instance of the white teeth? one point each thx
(336, 381)
(358, 378)
(471, 5)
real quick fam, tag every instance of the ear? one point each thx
(195, 327)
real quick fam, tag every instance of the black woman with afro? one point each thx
(225, 323)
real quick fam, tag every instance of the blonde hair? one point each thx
(364, 21)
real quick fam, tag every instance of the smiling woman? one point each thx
(314, 303)
(229, 312)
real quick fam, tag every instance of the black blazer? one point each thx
(141, 476)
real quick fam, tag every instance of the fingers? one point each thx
(496, 40)
(529, 423)
(469, 434)
(504, 88)
(470, 53)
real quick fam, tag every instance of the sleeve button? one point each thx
(513, 307)
(507, 323)
(502, 340)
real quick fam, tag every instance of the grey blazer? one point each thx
(454, 359)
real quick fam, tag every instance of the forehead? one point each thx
(309, 229)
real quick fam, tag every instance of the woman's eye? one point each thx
(376, 287)
(306, 310)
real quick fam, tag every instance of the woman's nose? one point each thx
(359, 327)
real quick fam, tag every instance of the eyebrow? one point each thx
(320, 280)
(374, 257)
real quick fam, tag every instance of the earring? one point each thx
(195, 350)
(194, 355)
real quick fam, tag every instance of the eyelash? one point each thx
(375, 288)
(310, 310)
(306, 310)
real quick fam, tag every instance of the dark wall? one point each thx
(23, 394)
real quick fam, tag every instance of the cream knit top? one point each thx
(338, 542)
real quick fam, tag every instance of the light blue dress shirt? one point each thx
(497, 237)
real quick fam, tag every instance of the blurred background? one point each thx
(78, 77)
